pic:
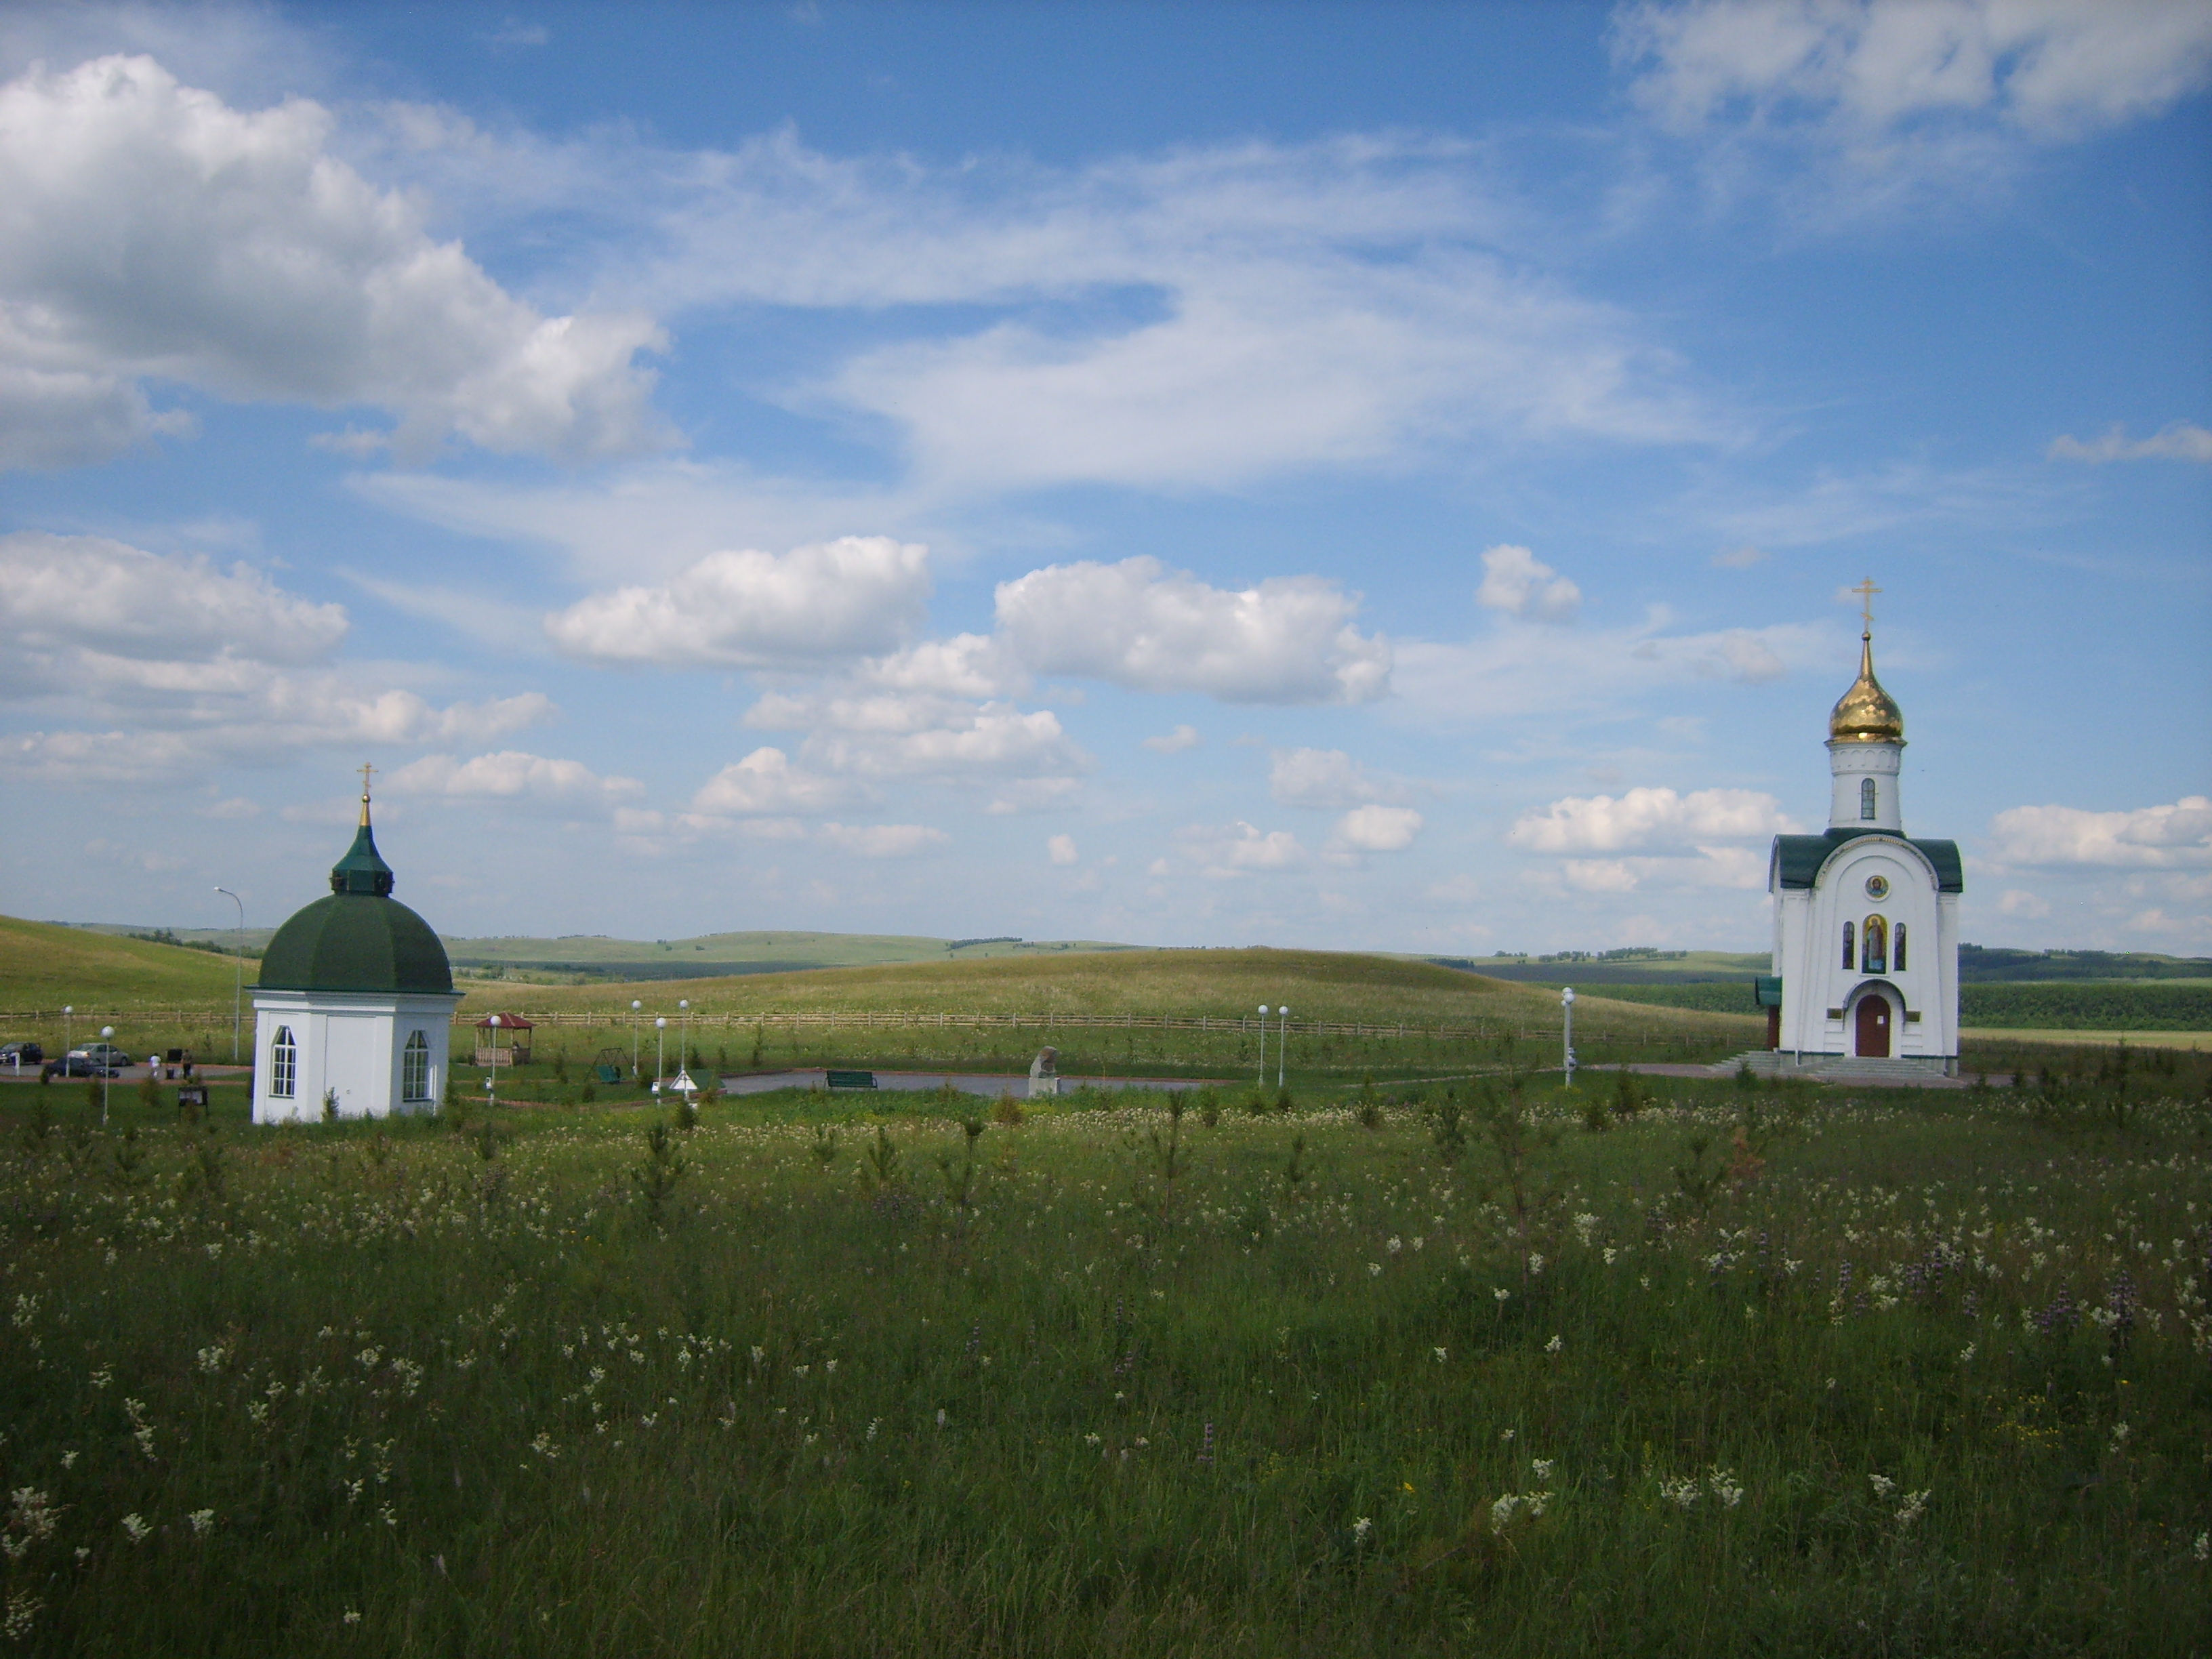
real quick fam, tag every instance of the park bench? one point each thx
(608, 1073)
(852, 1080)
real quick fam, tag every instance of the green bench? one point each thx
(852, 1080)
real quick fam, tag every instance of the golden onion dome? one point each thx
(1866, 713)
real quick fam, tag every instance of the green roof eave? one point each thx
(1798, 860)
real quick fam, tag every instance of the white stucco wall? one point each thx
(1849, 762)
(351, 1042)
(1809, 930)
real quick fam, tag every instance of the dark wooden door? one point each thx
(1874, 1028)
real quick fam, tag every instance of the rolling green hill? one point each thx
(703, 955)
(44, 965)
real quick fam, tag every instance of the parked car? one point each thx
(101, 1053)
(75, 1066)
(20, 1053)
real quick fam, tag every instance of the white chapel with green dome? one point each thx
(1866, 918)
(355, 1002)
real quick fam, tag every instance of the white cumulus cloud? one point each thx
(1516, 581)
(2182, 440)
(747, 609)
(1326, 778)
(2149, 837)
(61, 596)
(765, 783)
(1288, 640)
(513, 775)
(1061, 849)
(1239, 849)
(1876, 64)
(150, 231)
(1175, 742)
(1644, 817)
(1378, 829)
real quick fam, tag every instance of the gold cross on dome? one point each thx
(365, 771)
(1866, 591)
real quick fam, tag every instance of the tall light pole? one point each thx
(1282, 1047)
(683, 1042)
(68, 1013)
(106, 1034)
(1261, 1080)
(238, 985)
(1567, 1041)
(634, 1007)
(659, 1054)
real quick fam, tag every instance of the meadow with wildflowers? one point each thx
(1657, 1366)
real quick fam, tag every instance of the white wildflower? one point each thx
(1440, 1354)
(1554, 1345)
(1542, 1465)
(1360, 1528)
(135, 1526)
(201, 1520)
(1916, 1503)
(1395, 1245)
(1374, 1269)
(1883, 1485)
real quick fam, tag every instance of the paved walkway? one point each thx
(989, 1086)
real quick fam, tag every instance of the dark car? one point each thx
(20, 1053)
(76, 1065)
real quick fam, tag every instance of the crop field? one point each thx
(1729, 1370)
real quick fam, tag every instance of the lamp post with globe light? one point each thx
(494, 1022)
(238, 973)
(659, 1050)
(1282, 1047)
(107, 1034)
(684, 1039)
(1260, 1081)
(1567, 1039)
(69, 1011)
(634, 1007)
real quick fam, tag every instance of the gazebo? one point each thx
(517, 1052)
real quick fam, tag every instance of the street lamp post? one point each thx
(634, 1007)
(107, 1034)
(1260, 1081)
(238, 977)
(495, 1022)
(69, 1011)
(1282, 1047)
(1567, 1039)
(659, 1051)
(683, 1041)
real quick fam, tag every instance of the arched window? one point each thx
(415, 1068)
(1850, 956)
(1866, 797)
(283, 1064)
(1874, 946)
(1898, 955)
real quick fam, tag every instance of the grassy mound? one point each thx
(44, 966)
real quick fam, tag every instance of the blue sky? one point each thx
(1369, 477)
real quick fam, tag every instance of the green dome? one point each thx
(355, 942)
(359, 939)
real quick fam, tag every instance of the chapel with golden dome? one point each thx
(1866, 918)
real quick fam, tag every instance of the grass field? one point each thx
(732, 1018)
(1748, 1371)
